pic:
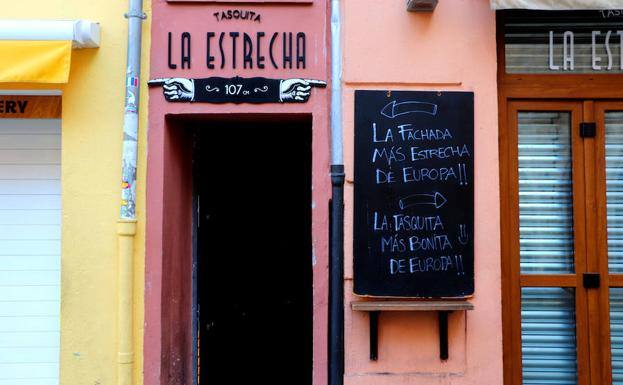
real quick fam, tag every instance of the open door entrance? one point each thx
(253, 252)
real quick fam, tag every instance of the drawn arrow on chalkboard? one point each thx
(435, 199)
(393, 109)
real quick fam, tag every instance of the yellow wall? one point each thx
(92, 123)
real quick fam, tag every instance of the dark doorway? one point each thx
(254, 263)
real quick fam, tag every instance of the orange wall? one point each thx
(453, 48)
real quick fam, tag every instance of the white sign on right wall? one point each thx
(558, 42)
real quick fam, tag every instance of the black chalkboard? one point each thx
(414, 194)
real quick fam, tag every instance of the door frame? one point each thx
(590, 239)
(168, 336)
(591, 90)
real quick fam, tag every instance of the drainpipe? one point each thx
(126, 225)
(336, 257)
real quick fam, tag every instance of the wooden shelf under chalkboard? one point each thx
(443, 308)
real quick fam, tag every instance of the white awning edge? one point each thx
(82, 33)
(560, 5)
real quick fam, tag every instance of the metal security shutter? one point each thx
(30, 227)
(545, 197)
(548, 332)
(614, 188)
(548, 342)
(616, 334)
(614, 191)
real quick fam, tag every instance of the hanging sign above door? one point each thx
(237, 89)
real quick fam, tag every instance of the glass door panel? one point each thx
(616, 334)
(614, 189)
(545, 192)
(548, 337)
(610, 147)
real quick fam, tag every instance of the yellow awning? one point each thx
(33, 61)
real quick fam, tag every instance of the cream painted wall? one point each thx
(92, 123)
(453, 48)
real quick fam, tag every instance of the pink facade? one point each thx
(384, 47)
(453, 49)
(167, 339)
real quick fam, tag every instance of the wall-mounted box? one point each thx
(421, 5)
(225, 2)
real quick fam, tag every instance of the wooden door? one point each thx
(544, 244)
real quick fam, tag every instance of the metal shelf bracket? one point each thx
(443, 309)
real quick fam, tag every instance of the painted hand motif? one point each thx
(297, 90)
(237, 89)
(176, 89)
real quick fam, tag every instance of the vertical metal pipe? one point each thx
(130, 119)
(336, 85)
(126, 227)
(336, 257)
(336, 279)
(126, 230)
